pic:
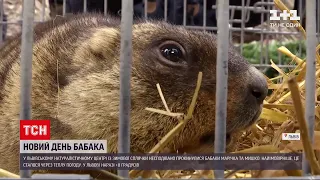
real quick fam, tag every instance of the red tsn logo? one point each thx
(34, 129)
(285, 135)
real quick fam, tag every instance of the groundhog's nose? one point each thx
(258, 87)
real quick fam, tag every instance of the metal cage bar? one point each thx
(310, 73)
(125, 78)
(26, 65)
(221, 80)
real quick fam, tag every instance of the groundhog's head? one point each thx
(173, 56)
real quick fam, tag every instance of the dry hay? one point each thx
(283, 112)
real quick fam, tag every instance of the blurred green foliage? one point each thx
(253, 51)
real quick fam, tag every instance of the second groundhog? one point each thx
(87, 48)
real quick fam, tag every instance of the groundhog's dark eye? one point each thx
(172, 52)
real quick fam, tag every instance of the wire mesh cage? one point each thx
(249, 22)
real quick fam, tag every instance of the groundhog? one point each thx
(75, 84)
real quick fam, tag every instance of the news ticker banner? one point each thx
(107, 161)
(38, 152)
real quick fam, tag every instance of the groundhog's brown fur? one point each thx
(86, 48)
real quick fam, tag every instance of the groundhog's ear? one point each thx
(102, 39)
(100, 45)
